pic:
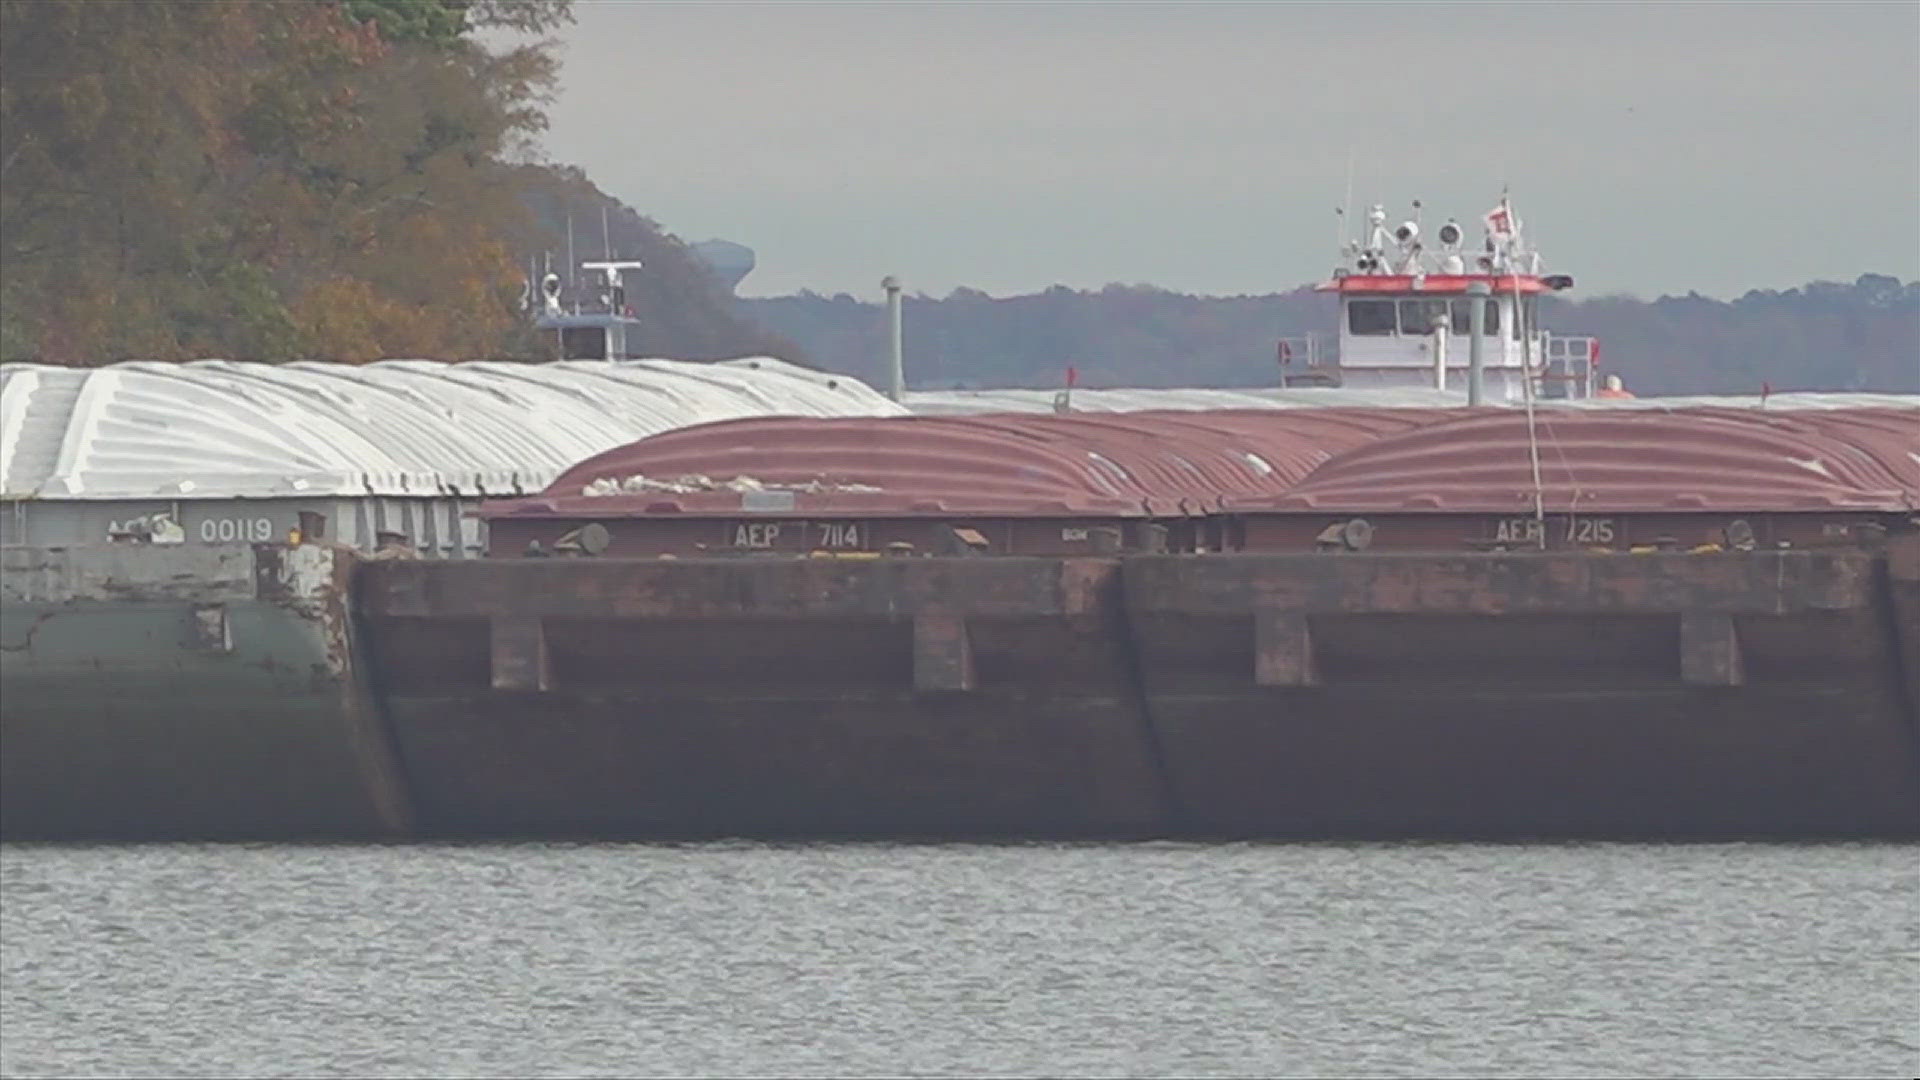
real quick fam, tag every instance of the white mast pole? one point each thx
(1526, 387)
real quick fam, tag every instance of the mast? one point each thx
(1526, 393)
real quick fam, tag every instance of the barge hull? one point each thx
(1548, 695)
(277, 692)
(772, 698)
(188, 692)
(1661, 695)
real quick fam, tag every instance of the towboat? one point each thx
(1406, 316)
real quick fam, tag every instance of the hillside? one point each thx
(337, 179)
(1822, 336)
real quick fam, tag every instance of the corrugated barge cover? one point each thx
(1156, 463)
(1888, 437)
(1741, 460)
(222, 429)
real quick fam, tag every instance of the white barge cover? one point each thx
(214, 429)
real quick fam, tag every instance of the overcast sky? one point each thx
(1651, 149)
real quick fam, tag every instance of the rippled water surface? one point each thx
(735, 959)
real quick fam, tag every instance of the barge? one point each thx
(1054, 635)
(1373, 623)
(1582, 617)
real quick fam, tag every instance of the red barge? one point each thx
(1289, 623)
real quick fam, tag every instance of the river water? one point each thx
(885, 960)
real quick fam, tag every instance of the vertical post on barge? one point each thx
(896, 361)
(1477, 296)
(570, 282)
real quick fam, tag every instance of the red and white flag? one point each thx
(1500, 220)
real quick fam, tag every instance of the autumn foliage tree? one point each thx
(264, 179)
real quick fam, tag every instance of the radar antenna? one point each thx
(616, 294)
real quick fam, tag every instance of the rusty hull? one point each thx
(1663, 695)
(1520, 695)
(227, 692)
(190, 691)
(772, 698)
(755, 535)
(1902, 616)
(1522, 531)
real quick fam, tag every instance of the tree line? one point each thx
(1863, 336)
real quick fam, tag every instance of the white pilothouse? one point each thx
(1406, 315)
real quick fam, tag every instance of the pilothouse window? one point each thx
(1418, 316)
(1463, 315)
(1370, 317)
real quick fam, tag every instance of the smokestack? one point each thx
(896, 361)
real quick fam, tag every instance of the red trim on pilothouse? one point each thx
(1501, 284)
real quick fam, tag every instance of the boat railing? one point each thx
(1569, 361)
(1303, 351)
(1304, 361)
